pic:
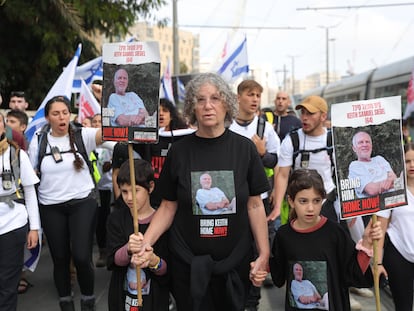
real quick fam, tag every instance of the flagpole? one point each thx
(176, 57)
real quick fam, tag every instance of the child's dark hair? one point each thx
(408, 146)
(19, 115)
(143, 174)
(302, 179)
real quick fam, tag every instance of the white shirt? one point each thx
(319, 161)
(12, 218)
(272, 139)
(60, 182)
(400, 228)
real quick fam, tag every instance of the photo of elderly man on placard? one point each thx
(128, 108)
(375, 174)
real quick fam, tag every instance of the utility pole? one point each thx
(327, 49)
(176, 56)
(284, 76)
(327, 55)
(292, 57)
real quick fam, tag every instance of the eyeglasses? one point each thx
(17, 94)
(214, 100)
(281, 98)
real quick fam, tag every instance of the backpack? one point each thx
(17, 196)
(80, 146)
(261, 124)
(294, 136)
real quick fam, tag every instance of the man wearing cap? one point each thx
(312, 137)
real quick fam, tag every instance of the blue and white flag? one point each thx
(89, 72)
(62, 86)
(166, 83)
(235, 64)
(181, 90)
(32, 256)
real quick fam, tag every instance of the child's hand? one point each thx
(135, 243)
(372, 232)
(145, 259)
(257, 276)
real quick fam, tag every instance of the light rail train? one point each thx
(384, 81)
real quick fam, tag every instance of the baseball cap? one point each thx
(313, 104)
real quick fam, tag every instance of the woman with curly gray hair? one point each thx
(223, 90)
(211, 255)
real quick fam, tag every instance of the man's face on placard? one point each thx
(362, 146)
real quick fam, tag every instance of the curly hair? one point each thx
(177, 122)
(227, 95)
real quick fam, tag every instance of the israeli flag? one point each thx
(409, 109)
(62, 86)
(181, 90)
(235, 64)
(89, 72)
(166, 84)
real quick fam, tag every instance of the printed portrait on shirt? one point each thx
(308, 285)
(213, 193)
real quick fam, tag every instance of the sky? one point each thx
(359, 39)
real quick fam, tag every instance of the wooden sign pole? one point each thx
(135, 216)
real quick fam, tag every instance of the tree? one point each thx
(183, 68)
(39, 37)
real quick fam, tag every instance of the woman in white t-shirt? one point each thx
(19, 221)
(67, 200)
(398, 247)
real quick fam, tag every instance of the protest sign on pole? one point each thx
(369, 157)
(369, 161)
(131, 82)
(130, 97)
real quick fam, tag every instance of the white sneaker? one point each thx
(355, 305)
(363, 292)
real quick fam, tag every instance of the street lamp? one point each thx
(327, 49)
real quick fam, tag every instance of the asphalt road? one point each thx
(43, 297)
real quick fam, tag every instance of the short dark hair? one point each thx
(19, 115)
(143, 174)
(17, 94)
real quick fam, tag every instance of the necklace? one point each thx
(242, 122)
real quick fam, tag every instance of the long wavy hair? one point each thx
(78, 162)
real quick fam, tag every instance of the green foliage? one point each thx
(39, 37)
